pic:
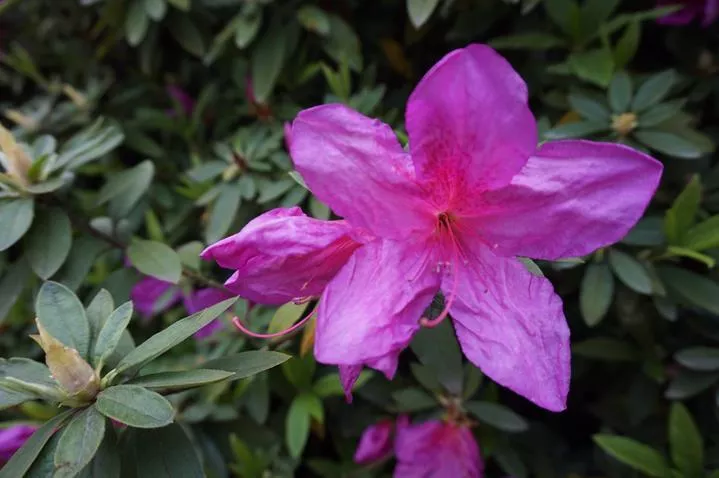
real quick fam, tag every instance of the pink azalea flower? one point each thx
(706, 10)
(436, 449)
(375, 443)
(12, 439)
(152, 296)
(187, 103)
(473, 192)
(202, 299)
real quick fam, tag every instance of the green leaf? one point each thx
(654, 90)
(419, 11)
(224, 210)
(594, 13)
(285, 316)
(183, 5)
(699, 358)
(627, 45)
(588, 108)
(155, 9)
(155, 259)
(330, 385)
(106, 462)
(48, 242)
(63, 316)
(83, 255)
(299, 371)
(680, 217)
(246, 364)
(634, 454)
(136, 23)
(127, 187)
(187, 35)
(247, 28)
(89, 144)
(689, 383)
(581, 129)
(704, 235)
(693, 288)
(413, 400)
(437, 348)
(111, 333)
(314, 19)
(25, 456)
(565, 14)
(620, 92)
(12, 284)
(173, 381)
(630, 271)
(595, 66)
(685, 442)
(595, 293)
(649, 231)
(660, 113)
(527, 41)
(99, 310)
(669, 143)
(268, 56)
(79, 442)
(297, 425)
(498, 416)
(343, 44)
(15, 216)
(173, 335)
(161, 453)
(135, 406)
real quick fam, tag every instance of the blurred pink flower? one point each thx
(12, 438)
(375, 443)
(436, 449)
(201, 299)
(186, 102)
(450, 215)
(705, 10)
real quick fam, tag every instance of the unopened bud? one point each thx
(17, 162)
(74, 375)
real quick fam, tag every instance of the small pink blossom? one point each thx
(12, 439)
(452, 214)
(376, 442)
(705, 10)
(186, 102)
(436, 449)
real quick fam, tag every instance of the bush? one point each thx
(137, 133)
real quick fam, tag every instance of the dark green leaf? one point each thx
(135, 406)
(527, 41)
(79, 442)
(627, 45)
(89, 144)
(595, 66)
(330, 385)
(48, 242)
(172, 381)
(419, 11)
(187, 35)
(155, 259)
(680, 217)
(596, 293)
(704, 235)
(12, 284)
(588, 108)
(669, 143)
(155, 9)
(437, 348)
(685, 442)
(63, 316)
(127, 187)
(136, 23)
(649, 231)
(654, 90)
(630, 271)
(314, 19)
(15, 216)
(634, 454)
(343, 45)
(173, 335)
(693, 288)
(689, 383)
(565, 14)
(223, 213)
(106, 462)
(413, 400)
(660, 113)
(268, 56)
(161, 453)
(297, 425)
(498, 416)
(111, 332)
(699, 358)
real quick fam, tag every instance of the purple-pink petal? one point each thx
(706, 10)
(356, 166)
(186, 102)
(376, 443)
(511, 325)
(370, 310)
(12, 439)
(435, 449)
(202, 299)
(470, 128)
(283, 255)
(152, 296)
(571, 198)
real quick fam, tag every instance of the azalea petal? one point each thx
(12, 439)
(152, 296)
(348, 376)
(282, 255)
(371, 309)
(202, 299)
(356, 166)
(510, 324)
(376, 442)
(711, 12)
(435, 449)
(469, 124)
(572, 198)
(681, 17)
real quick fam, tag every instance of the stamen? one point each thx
(430, 323)
(238, 323)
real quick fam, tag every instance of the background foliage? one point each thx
(149, 128)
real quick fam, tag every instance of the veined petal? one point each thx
(371, 309)
(436, 449)
(356, 166)
(282, 255)
(469, 125)
(572, 198)
(152, 296)
(376, 442)
(510, 324)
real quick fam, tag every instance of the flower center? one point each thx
(624, 123)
